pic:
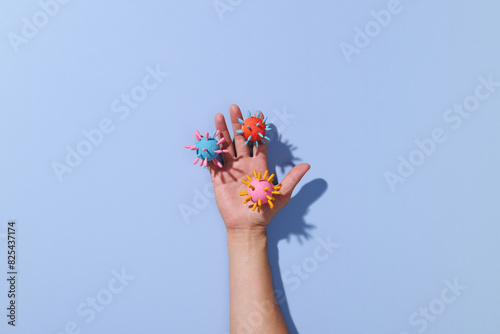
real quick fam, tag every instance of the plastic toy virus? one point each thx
(254, 129)
(261, 190)
(207, 149)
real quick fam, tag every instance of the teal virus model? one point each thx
(207, 148)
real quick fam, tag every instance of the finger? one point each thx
(259, 148)
(292, 179)
(227, 144)
(220, 124)
(239, 140)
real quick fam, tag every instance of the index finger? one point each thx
(220, 124)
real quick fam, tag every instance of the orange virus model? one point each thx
(261, 190)
(254, 129)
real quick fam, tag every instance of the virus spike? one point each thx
(225, 151)
(249, 178)
(201, 162)
(216, 133)
(266, 174)
(217, 162)
(258, 124)
(260, 176)
(276, 193)
(243, 193)
(248, 127)
(204, 149)
(277, 187)
(222, 140)
(197, 135)
(206, 162)
(248, 184)
(266, 188)
(249, 113)
(261, 135)
(247, 199)
(265, 119)
(256, 144)
(241, 121)
(249, 138)
(255, 174)
(263, 141)
(270, 179)
(266, 137)
(271, 205)
(254, 206)
(260, 204)
(268, 129)
(239, 132)
(218, 151)
(206, 135)
(192, 147)
(258, 114)
(195, 161)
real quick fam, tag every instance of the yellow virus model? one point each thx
(261, 190)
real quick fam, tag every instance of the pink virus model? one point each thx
(261, 190)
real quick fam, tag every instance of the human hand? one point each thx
(237, 164)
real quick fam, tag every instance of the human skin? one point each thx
(253, 305)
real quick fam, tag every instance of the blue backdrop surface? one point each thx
(395, 229)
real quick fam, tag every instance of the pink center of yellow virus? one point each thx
(261, 190)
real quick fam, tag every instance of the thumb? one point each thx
(291, 180)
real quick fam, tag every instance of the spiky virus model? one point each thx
(254, 129)
(207, 149)
(261, 190)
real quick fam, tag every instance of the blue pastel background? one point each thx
(352, 254)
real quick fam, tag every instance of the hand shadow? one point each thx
(281, 152)
(290, 220)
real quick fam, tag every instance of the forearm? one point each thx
(253, 306)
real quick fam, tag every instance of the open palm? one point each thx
(237, 164)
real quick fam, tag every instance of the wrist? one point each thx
(247, 235)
